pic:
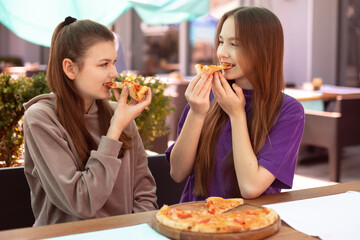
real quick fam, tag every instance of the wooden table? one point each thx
(285, 232)
(327, 93)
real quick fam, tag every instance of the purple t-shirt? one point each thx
(278, 155)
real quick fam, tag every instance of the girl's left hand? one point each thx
(233, 103)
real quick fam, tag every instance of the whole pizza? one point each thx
(218, 215)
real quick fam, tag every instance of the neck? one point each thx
(88, 105)
(243, 82)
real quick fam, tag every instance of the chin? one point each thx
(105, 95)
(229, 77)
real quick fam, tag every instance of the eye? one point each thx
(104, 64)
(221, 42)
(114, 61)
(234, 44)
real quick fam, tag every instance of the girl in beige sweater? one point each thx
(84, 157)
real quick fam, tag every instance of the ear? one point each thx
(70, 68)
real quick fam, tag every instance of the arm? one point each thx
(182, 156)
(144, 183)
(252, 178)
(75, 192)
(277, 158)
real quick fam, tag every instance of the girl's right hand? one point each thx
(197, 93)
(126, 112)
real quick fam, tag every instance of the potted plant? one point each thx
(151, 122)
(13, 93)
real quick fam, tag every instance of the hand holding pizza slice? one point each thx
(136, 91)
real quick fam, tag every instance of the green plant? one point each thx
(151, 122)
(13, 93)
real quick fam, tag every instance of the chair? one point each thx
(15, 203)
(334, 130)
(168, 191)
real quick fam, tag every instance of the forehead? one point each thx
(228, 28)
(101, 50)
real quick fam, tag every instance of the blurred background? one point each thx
(321, 36)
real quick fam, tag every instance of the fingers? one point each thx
(116, 94)
(224, 83)
(200, 86)
(124, 94)
(147, 99)
(204, 85)
(193, 82)
(238, 90)
(217, 85)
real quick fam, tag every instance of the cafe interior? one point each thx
(321, 70)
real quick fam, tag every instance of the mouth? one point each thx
(106, 86)
(227, 65)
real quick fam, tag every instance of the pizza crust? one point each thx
(201, 69)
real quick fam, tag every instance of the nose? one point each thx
(114, 73)
(222, 52)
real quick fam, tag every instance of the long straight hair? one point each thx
(259, 32)
(72, 41)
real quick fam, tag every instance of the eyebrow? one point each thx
(105, 59)
(230, 39)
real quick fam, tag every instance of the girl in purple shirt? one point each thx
(239, 135)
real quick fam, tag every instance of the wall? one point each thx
(128, 27)
(294, 19)
(310, 31)
(323, 61)
(12, 45)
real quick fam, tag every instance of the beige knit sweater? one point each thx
(60, 192)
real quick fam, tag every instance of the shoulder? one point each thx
(291, 108)
(40, 107)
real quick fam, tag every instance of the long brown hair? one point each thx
(72, 41)
(259, 32)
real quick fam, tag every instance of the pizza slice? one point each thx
(180, 218)
(239, 221)
(210, 68)
(136, 91)
(217, 205)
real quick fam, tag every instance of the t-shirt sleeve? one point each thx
(280, 151)
(180, 126)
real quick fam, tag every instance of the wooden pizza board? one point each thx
(182, 235)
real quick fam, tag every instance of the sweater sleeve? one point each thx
(78, 193)
(144, 183)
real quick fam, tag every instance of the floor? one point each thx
(313, 171)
